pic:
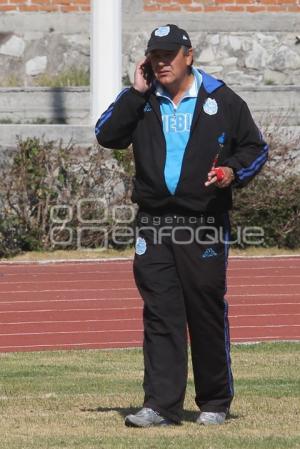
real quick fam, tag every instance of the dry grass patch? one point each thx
(78, 399)
(36, 256)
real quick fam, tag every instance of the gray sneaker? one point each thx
(208, 418)
(146, 417)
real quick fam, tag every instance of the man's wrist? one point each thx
(138, 89)
(232, 174)
(139, 92)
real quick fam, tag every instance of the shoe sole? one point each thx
(210, 423)
(129, 423)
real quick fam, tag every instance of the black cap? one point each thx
(168, 37)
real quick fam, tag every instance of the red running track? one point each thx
(95, 304)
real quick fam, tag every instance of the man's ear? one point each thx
(191, 55)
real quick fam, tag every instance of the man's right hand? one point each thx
(140, 83)
(222, 179)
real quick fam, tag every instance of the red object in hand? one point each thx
(219, 173)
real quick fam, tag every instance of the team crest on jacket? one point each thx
(140, 246)
(210, 106)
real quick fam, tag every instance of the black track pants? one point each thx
(184, 283)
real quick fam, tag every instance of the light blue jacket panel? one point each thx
(177, 120)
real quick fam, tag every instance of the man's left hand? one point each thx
(227, 179)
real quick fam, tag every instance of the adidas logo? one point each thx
(209, 252)
(147, 108)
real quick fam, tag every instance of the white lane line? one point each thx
(274, 267)
(284, 258)
(279, 337)
(264, 315)
(69, 290)
(129, 330)
(72, 345)
(22, 334)
(70, 262)
(71, 321)
(116, 279)
(121, 320)
(266, 276)
(28, 301)
(264, 285)
(61, 273)
(126, 260)
(134, 288)
(245, 295)
(71, 281)
(127, 308)
(269, 326)
(71, 310)
(107, 345)
(265, 304)
(233, 260)
(262, 268)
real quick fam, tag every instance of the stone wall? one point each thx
(242, 48)
(262, 51)
(261, 58)
(240, 58)
(33, 44)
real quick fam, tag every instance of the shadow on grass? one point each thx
(121, 410)
(188, 415)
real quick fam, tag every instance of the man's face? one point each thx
(170, 66)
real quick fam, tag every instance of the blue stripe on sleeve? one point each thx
(105, 116)
(255, 166)
(103, 120)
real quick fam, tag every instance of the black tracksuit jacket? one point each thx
(135, 118)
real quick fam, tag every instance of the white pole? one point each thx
(106, 54)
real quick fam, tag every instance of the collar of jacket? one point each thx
(208, 86)
(192, 91)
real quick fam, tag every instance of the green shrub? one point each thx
(272, 199)
(31, 185)
(42, 175)
(71, 77)
(274, 205)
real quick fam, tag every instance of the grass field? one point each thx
(78, 399)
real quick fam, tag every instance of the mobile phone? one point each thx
(147, 71)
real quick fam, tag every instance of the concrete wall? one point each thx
(43, 105)
(271, 106)
(72, 105)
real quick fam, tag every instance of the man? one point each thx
(193, 138)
